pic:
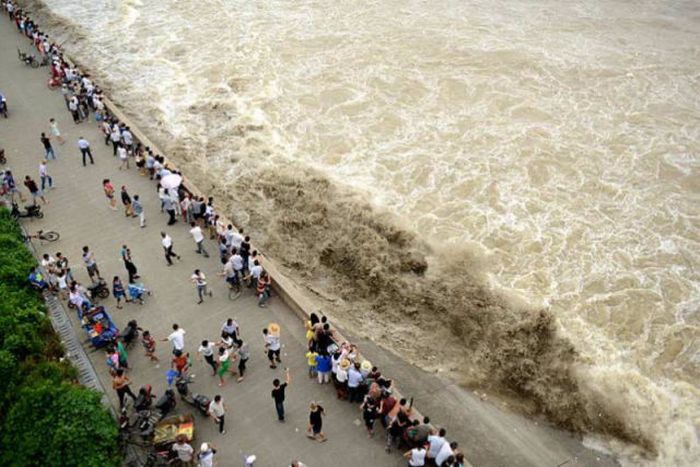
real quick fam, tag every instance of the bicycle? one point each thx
(234, 289)
(42, 236)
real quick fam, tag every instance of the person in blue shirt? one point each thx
(37, 279)
(323, 368)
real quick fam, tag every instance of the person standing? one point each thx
(416, 456)
(206, 455)
(435, 443)
(272, 347)
(315, 430)
(44, 176)
(278, 394)
(129, 264)
(206, 350)
(123, 155)
(55, 132)
(115, 136)
(167, 243)
(34, 189)
(149, 345)
(200, 281)
(126, 201)
(120, 383)
(84, 146)
(11, 186)
(108, 188)
(185, 453)
(177, 338)
(243, 356)
(118, 291)
(167, 205)
(49, 152)
(217, 411)
(198, 236)
(137, 208)
(73, 104)
(224, 364)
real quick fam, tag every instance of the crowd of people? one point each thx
(329, 360)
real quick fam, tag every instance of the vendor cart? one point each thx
(98, 325)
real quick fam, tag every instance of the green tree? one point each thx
(59, 425)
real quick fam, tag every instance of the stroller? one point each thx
(137, 291)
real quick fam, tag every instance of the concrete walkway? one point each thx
(79, 211)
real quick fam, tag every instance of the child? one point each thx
(118, 291)
(149, 344)
(311, 360)
(62, 279)
(181, 362)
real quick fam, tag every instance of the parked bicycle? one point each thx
(42, 236)
(28, 59)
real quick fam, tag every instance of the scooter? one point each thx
(130, 333)
(166, 403)
(144, 399)
(199, 401)
(28, 59)
(32, 210)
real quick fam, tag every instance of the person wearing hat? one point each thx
(341, 379)
(205, 457)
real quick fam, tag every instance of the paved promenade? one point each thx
(79, 211)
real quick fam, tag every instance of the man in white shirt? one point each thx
(177, 338)
(206, 455)
(354, 380)
(84, 146)
(436, 442)
(272, 345)
(167, 243)
(217, 410)
(198, 236)
(446, 451)
(184, 451)
(233, 238)
(416, 456)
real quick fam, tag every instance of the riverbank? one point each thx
(497, 439)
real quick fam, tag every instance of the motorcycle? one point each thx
(32, 210)
(166, 403)
(198, 401)
(3, 106)
(130, 333)
(98, 289)
(3, 159)
(144, 398)
(28, 59)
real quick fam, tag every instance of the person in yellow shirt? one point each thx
(311, 360)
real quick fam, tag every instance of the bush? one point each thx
(46, 419)
(59, 424)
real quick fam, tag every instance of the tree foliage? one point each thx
(46, 419)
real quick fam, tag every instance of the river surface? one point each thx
(558, 140)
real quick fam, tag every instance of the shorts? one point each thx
(92, 270)
(37, 194)
(273, 353)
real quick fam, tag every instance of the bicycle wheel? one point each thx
(234, 292)
(50, 236)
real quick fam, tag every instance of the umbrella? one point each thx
(171, 181)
